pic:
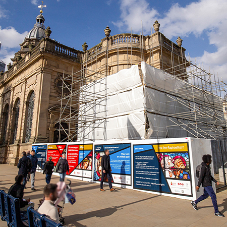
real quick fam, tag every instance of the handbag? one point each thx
(71, 196)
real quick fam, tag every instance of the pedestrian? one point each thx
(48, 169)
(29, 164)
(23, 166)
(34, 162)
(62, 167)
(205, 178)
(17, 190)
(106, 170)
(48, 208)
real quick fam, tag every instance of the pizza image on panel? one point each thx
(175, 164)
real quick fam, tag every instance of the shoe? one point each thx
(194, 205)
(112, 189)
(219, 214)
(102, 190)
(33, 189)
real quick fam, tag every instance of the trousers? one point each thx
(209, 191)
(62, 176)
(48, 178)
(32, 175)
(109, 177)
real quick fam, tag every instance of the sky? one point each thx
(201, 24)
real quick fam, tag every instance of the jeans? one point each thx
(109, 177)
(32, 180)
(209, 191)
(48, 178)
(62, 176)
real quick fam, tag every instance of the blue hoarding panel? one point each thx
(40, 152)
(148, 174)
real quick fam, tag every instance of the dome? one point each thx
(38, 31)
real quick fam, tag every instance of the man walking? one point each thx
(106, 170)
(206, 179)
(48, 169)
(23, 167)
(62, 167)
(34, 162)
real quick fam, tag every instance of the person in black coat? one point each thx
(205, 178)
(62, 167)
(48, 169)
(106, 170)
(17, 190)
(28, 175)
(24, 166)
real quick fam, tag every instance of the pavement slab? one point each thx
(124, 207)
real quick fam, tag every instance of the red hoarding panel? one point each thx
(55, 156)
(73, 157)
(61, 148)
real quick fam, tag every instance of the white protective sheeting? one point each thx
(136, 110)
(127, 126)
(124, 108)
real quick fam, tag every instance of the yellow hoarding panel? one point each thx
(50, 147)
(87, 147)
(172, 147)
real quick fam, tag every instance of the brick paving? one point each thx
(124, 207)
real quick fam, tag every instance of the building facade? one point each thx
(32, 86)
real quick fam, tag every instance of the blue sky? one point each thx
(201, 24)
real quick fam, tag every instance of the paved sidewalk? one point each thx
(124, 207)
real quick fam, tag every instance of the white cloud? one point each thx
(207, 17)
(133, 12)
(34, 2)
(10, 40)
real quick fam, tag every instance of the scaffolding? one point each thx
(199, 94)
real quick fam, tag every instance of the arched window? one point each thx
(5, 122)
(28, 122)
(16, 110)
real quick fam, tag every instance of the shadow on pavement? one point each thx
(73, 219)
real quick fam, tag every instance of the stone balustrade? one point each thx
(128, 40)
(45, 46)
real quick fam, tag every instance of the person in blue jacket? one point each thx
(34, 162)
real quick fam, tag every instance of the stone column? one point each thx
(42, 126)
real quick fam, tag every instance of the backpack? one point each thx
(198, 170)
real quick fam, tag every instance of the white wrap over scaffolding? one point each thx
(148, 103)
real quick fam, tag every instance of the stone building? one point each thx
(31, 87)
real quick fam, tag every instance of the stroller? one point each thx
(65, 195)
